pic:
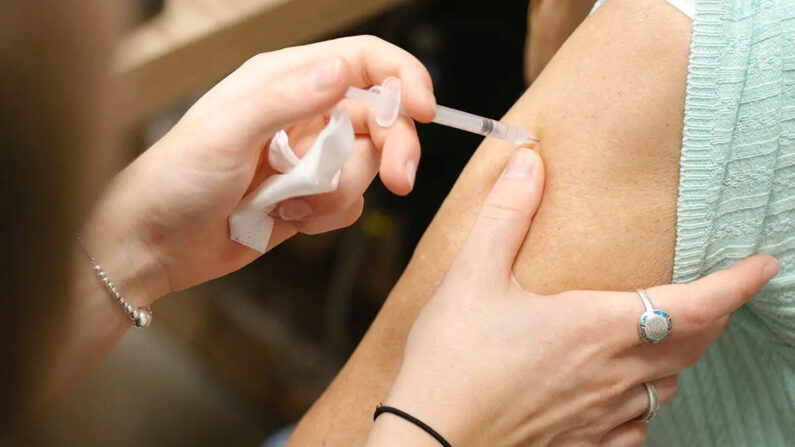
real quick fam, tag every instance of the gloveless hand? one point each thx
(489, 364)
(166, 213)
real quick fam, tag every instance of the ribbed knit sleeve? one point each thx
(737, 198)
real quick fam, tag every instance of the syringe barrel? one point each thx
(460, 120)
(478, 124)
(510, 133)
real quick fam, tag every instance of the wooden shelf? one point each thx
(194, 43)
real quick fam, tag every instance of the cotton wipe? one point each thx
(316, 173)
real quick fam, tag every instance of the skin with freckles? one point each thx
(608, 110)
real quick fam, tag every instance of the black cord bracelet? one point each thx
(400, 413)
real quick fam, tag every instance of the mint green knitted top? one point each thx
(736, 198)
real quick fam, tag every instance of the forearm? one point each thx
(610, 136)
(94, 320)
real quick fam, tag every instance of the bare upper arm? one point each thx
(608, 110)
(549, 24)
(609, 113)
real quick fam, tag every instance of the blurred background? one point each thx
(236, 360)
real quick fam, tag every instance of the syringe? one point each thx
(482, 125)
(384, 101)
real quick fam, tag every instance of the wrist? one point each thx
(128, 262)
(390, 430)
(94, 318)
(432, 405)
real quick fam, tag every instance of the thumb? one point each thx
(295, 93)
(504, 219)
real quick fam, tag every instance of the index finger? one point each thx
(399, 146)
(371, 61)
(696, 306)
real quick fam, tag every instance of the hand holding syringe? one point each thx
(384, 101)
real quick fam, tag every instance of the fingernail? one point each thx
(411, 172)
(771, 270)
(294, 209)
(520, 167)
(328, 74)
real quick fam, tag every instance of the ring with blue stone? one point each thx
(654, 325)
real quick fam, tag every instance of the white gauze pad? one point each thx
(316, 173)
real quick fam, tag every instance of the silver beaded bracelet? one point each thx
(140, 317)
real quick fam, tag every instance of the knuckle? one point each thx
(332, 222)
(354, 214)
(255, 61)
(332, 203)
(262, 66)
(308, 230)
(616, 388)
(311, 228)
(698, 317)
(598, 425)
(610, 306)
(499, 212)
(747, 288)
(590, 433)
(369, 39)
